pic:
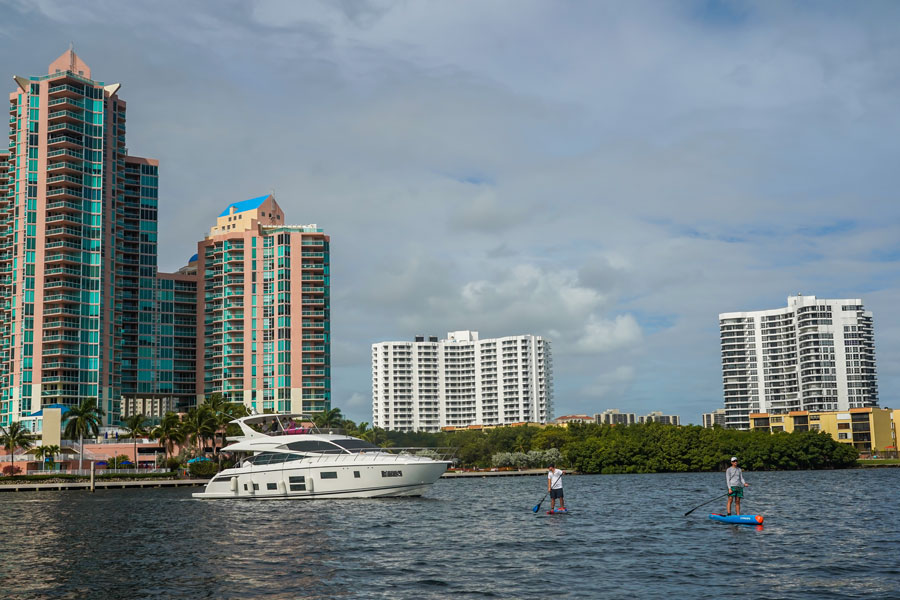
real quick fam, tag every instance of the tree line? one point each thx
(583, 447)
(640, 448)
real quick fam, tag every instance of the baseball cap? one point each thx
(734, 459)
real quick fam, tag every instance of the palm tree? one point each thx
(364, 432)
(329, 418)
(50, 452)
(380, 438)
(82, 420)
(199, 424)
(42, 452)
(135, 426)
(15, 435)
(223, 411)
(169, 432)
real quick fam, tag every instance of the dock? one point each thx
(522, 473)
(26, 486)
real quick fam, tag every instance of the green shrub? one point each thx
(206, 468)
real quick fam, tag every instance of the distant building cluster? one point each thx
(430, 384)
(614, 416)
(87, 314)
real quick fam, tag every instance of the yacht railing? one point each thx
(441, 454)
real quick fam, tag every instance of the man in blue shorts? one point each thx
(554, 487)
(734, 481)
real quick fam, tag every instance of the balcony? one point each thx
(64, 205)
(63, 258)
(65, 219)
(52, 299)
(64, 193)
(66, 128)
(66, 90)
(64, 141)
(66, 116)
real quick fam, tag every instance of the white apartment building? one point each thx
(428, 384)
(815, 355)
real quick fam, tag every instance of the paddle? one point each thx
(704, 504)
(537, 506)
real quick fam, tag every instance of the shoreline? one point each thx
(124, 483)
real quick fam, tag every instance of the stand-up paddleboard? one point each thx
(741, 519)
(557, 512)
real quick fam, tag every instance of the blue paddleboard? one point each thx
(557, 512)
(743, 519)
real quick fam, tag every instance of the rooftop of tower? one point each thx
(243, 205)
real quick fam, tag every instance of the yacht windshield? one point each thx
(268, 458)
(312, 446)
(355, 445)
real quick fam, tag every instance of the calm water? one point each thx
(829, 534)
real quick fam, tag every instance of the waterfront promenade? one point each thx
(27, 486)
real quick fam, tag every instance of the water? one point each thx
(827, 534)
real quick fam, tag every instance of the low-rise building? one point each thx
(870, 430)
(567, 419)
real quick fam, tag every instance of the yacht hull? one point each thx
(340, 479)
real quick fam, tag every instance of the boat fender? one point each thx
(281, 488)
(252, 489)
(234, 484)
(309, 484)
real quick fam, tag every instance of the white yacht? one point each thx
(291, 460)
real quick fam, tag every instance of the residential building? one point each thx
(85, 312)
(657, 417)
(612, 416)
(870, 430)
(717, 417)
(425, 385)
(265, 310)
(568, 419)
(814, 355)
(77, 247)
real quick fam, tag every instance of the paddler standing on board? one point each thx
(734, 480)
(554, 487)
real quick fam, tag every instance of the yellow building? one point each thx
(869, 430)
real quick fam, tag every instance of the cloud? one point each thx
(609, 175)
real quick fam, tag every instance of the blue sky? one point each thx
(611, 175)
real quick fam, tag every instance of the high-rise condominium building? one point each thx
(265, 309)
(84, 313)
(814, 355)
(77, 247)
(425, 385)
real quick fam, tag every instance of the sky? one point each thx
(608, 175)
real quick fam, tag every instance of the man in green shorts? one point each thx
(734, 480)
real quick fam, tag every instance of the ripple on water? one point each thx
(626, 538)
